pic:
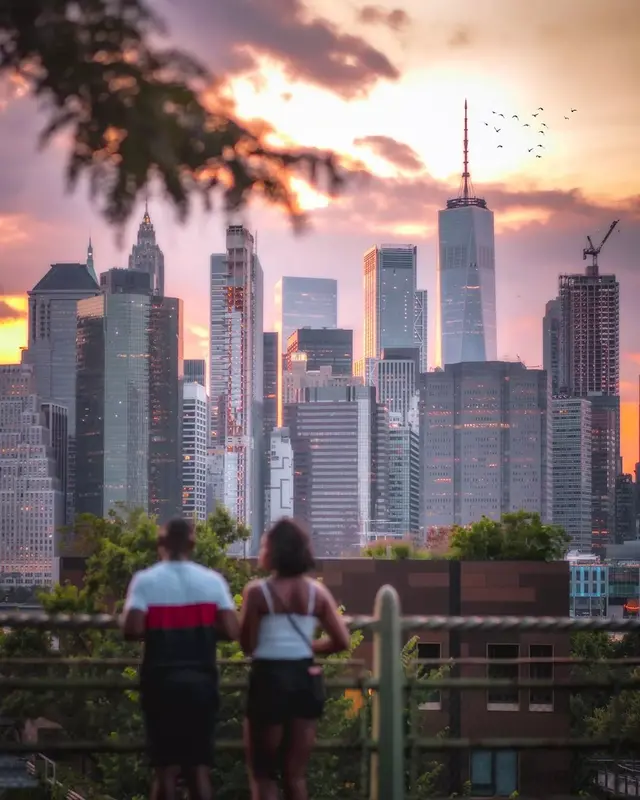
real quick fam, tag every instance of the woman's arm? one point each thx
(337, 636)
(249, 619)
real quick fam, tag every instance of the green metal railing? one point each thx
(389, 741)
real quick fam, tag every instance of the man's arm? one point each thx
(134, 616)
(227, 616)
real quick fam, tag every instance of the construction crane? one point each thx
(594, 252)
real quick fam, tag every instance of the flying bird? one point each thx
(526, 125)
(540, 108)
(499, 145)
(542, 132)
(538, 156)
(573, 109)
(534, 115)
(494, 112)
(515, 116)
(486, 123)
(497, 130)
(530, 149)
(540, 145)
(501, 115)
(566, 117)
(544, 124)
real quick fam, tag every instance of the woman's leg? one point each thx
(263, 747)
(301, 737)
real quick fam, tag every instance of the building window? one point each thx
(541, 699)
(494, 773)
(428, 700)
(503, 698)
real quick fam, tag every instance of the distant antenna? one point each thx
(465, 156)
(466, 194)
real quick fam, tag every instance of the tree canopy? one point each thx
(136, 112)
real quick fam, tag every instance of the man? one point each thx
(181, 610)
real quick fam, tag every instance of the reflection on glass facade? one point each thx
(113, 402)
(404, 480)
(323, 348)
(466, 284)
(52, 347)
(389, 297)
(300, 302)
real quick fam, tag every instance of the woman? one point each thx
(279, 621)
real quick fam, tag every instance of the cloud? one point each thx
(232, 36)
(396, 19)
(8, 313)
(397, 153)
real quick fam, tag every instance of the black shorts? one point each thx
(180, 711)
(280, 691)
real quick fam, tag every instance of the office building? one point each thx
(324, 347)
(195, 425)
(52, 348)
(215, 480)
(404, 478)
(421, 328)
(301, 302)
(236, 377)
(299, 378)
(389, 297)
(146, 256)
(340, 439)
(129, 398)
(484, 442)
(195, 371)
(551, 327)
(625, 509)
(571, 469)
(590, 367)
(465, 274)
(396, 381)
(31, 498)
(165, 400)
(271, 361)
(280, 475)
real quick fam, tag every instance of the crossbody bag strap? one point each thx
(292, 620)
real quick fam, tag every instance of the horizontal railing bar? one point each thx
(31, 619)
(115, 746)
(525, 683)
(533, 743)
(136, 662)
(557, 660)
(124, 684)
(559, 624)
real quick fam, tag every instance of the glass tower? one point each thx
(305, 302)
(465, 274)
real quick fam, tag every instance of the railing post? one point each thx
(387, 763)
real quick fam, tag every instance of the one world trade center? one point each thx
(466, 275)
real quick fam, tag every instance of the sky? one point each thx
(384, 83)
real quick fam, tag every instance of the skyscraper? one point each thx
(195, 371)
(236, 364)
(146, 255)
(551, 327)
(389, 297)
(590, 367)
(465, 273)
(571, 468)
(421, 328)
(129, 398)
(52, 348)
(271, 359)
(484, 439)
(31, 498)
(300, 302)
(194, 451)
(323, 347)
(90, 265)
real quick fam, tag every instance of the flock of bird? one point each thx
(543, 127)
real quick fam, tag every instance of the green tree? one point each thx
(135, 111)
(517, 536)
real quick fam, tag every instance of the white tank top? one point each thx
(278, 640)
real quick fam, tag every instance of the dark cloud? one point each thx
(461, 37)
(396, 19)
(8, 314)
(230, 36)
(397, 153)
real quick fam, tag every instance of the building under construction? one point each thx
(590, 367)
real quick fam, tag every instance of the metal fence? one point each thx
(389, 743)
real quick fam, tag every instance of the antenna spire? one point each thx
(465, 156)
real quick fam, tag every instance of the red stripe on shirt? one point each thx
(195, 615)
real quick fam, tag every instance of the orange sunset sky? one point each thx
(385, 83)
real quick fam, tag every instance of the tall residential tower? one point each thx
(466, 280)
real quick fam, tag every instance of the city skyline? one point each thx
(544, 210)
